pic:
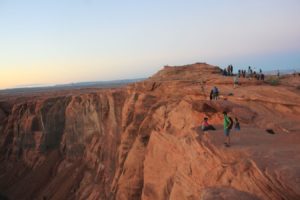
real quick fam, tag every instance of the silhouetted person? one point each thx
(228, 70)
(211, 95)
(249, 70)
(225, 72)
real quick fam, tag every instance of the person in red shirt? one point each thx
(205, 126)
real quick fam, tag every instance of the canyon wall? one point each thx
(143, 141)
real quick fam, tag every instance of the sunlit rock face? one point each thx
(144, 141)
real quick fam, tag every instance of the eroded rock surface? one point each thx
(143, 141)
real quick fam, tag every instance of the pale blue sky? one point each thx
(61, 41)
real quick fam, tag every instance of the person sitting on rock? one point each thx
(205, 126)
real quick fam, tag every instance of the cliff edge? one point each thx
(144, 141)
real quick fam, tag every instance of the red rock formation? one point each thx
(143, 141)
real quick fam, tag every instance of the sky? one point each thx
(64, 41)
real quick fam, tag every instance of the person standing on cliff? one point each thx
(215, 93)
(211, 95)
(228, 122)
(235, 81)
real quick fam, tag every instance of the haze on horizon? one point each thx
(53, 42)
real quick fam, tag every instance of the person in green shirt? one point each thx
(227, 126)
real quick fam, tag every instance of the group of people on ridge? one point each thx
(251, 74)
(214, 95)
(228, 71)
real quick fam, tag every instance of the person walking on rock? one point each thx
(228, 123)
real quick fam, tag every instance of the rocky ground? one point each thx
(144, 141)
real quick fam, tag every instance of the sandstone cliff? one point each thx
(143, 141)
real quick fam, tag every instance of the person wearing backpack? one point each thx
(228, 123)
(215, 93)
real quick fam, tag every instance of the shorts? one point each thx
(226, 132)
(237, 128)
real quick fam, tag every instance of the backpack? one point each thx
(231, 123)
